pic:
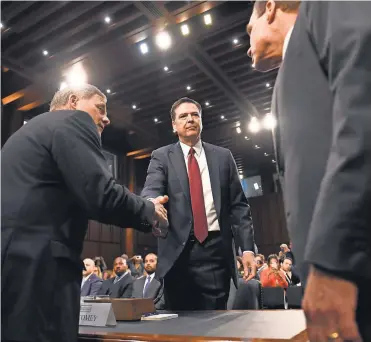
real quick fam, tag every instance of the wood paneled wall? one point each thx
(269, 222)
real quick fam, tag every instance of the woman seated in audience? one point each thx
(97, 271)
(272, 276)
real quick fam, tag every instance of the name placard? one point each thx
(97, 314)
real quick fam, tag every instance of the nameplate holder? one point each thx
(97, 314)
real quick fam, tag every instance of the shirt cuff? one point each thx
(248, 252)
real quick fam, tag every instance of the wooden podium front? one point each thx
(252, 326)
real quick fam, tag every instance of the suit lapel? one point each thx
(152, 288)
(214, 172)
(176, 157)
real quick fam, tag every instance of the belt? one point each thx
(210, 235)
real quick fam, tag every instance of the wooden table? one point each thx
(252, 326)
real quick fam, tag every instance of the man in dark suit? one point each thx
(323, 104)
(120, 286)
(148, 286)
(206, 207)
(54, 178)
(91, 283)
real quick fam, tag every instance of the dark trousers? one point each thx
(364, 311)
(200, 278)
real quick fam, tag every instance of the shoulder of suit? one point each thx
(141, 277)
(217, 148)
(164, 149)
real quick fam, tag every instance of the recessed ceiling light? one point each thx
(107, 19)
(163, 40)
(207, 19)
(108, 91)
(241, 177)
(155, 120)
(254, 125)
(267, 85)
(189, 87)
(269, 121)
(222, 117)
(166, 68)
(256, 146)
(266, 154)
(45, 52)
(273, 161)
(143, 48)
(134, 106)
(185, 30)
(235, 41)
(247, 138)
(238, 130)
(207, 103)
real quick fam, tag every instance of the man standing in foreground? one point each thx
(325, 137)
(54, 178)
(207, 206)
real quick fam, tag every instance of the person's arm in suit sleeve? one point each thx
(339, 236)
(95, 287)
(155, 184)
(160, 299)
(103, 290)
(241, 220)
(240, 210)
(76, 149)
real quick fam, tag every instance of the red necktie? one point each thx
(197, 198)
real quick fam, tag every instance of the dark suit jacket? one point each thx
(122, 289)
(54, 178)
(91, 286)
(167, 174)
(155, 290)
(323, 103)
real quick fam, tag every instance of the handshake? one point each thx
(161, 222)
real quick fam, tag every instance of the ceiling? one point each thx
(211, 60)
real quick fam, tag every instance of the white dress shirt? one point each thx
(286, 42)
(211, 215)
(148, 280)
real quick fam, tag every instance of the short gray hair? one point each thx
(85, 91)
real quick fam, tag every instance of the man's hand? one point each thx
(249, 266)
(160, 211)
(330, 305)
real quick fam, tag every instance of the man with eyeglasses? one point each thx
(206, 201)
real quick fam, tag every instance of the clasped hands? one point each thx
(160, 211)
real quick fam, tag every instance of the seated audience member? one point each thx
(260, 265)
(287, 252)
(98, 272)
(136, 266)
(120, 286)
(149, 286)
(272, 276)
(91, 283)
(291, 277)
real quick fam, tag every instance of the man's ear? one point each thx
(270, 10)
(72, 101)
